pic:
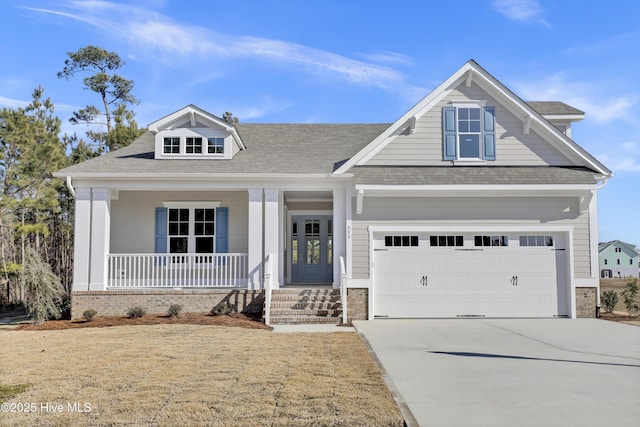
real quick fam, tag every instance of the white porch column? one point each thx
(82, 240)
(100, 238)
(271, 232)
(255, 231)
(348, 196)
(339, 232)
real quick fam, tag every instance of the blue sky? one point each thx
(330, 61)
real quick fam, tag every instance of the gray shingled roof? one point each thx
(553, 108)
(316, 148)
(451, 175)
(271, 148)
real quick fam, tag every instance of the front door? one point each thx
(311, 249)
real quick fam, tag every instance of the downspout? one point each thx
(70, 187)
(605, 181)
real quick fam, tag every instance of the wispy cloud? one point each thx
(157, 34)
(620, 41)
(387, 57)
(599, 105)
(628, 159)
(12, 103)
(521, 11)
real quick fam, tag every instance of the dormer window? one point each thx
(192, 133)
(193, 145)
(171, 145)
(215, 146)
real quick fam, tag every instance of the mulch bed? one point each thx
(232, 320)
(617, 317)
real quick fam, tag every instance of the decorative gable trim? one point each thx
(472, 72)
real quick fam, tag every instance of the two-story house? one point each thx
(618, 259)
(472, 203)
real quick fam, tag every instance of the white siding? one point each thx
(513, 147)
(470, 211)
(133, 217)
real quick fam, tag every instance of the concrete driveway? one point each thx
(508, 372)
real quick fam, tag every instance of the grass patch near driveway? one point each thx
(191, 374)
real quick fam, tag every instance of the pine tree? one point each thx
(31, 151)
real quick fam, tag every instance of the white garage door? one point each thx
(508, 275)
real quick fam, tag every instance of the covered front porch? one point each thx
(137, 237)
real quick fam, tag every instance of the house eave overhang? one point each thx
(568, 117)
(186, 177)
(490, 190)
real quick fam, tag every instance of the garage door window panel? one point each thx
(401, 241)
(486, 241)
(536, 241)
(446, 241)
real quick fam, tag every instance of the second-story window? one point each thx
(171, 145)
(193, 145)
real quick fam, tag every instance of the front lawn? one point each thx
(192, 375)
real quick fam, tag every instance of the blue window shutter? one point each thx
(222, 230)
(489, 133)
(449, 143)
(162, 221)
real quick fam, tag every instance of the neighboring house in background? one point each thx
(473, 203)
(618, 260)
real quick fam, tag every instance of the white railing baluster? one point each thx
(177, 270)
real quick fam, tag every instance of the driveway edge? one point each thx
(409, 419)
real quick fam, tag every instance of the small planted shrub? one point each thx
(223, 307)
(89, 314)
(136, 312)
(174, 310)
(609, 299)
(630, 297)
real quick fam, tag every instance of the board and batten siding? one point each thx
(133, 217)
(513, 146)
(470, 211)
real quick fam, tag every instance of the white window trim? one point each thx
(469, 161)
(179, 204)
(191, 238)
(183, 133)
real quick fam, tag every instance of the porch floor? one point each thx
(307, 286)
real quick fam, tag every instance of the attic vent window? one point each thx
(171, 145)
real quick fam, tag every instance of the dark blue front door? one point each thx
(311, 249)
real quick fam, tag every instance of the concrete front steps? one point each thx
(305, 306)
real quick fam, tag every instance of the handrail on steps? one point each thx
(267, 289)
(343, 290)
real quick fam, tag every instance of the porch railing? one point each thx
(177, 270)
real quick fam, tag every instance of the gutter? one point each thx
(234, 176)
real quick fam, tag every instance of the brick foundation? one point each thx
(357, 304)
(117, 303)
(586, 302)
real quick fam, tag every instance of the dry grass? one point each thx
(195, 375)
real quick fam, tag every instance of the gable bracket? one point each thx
(412, 125)
(527, 125)
(359, 200)
(192, 117)
(469, 78)
(585, 201)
